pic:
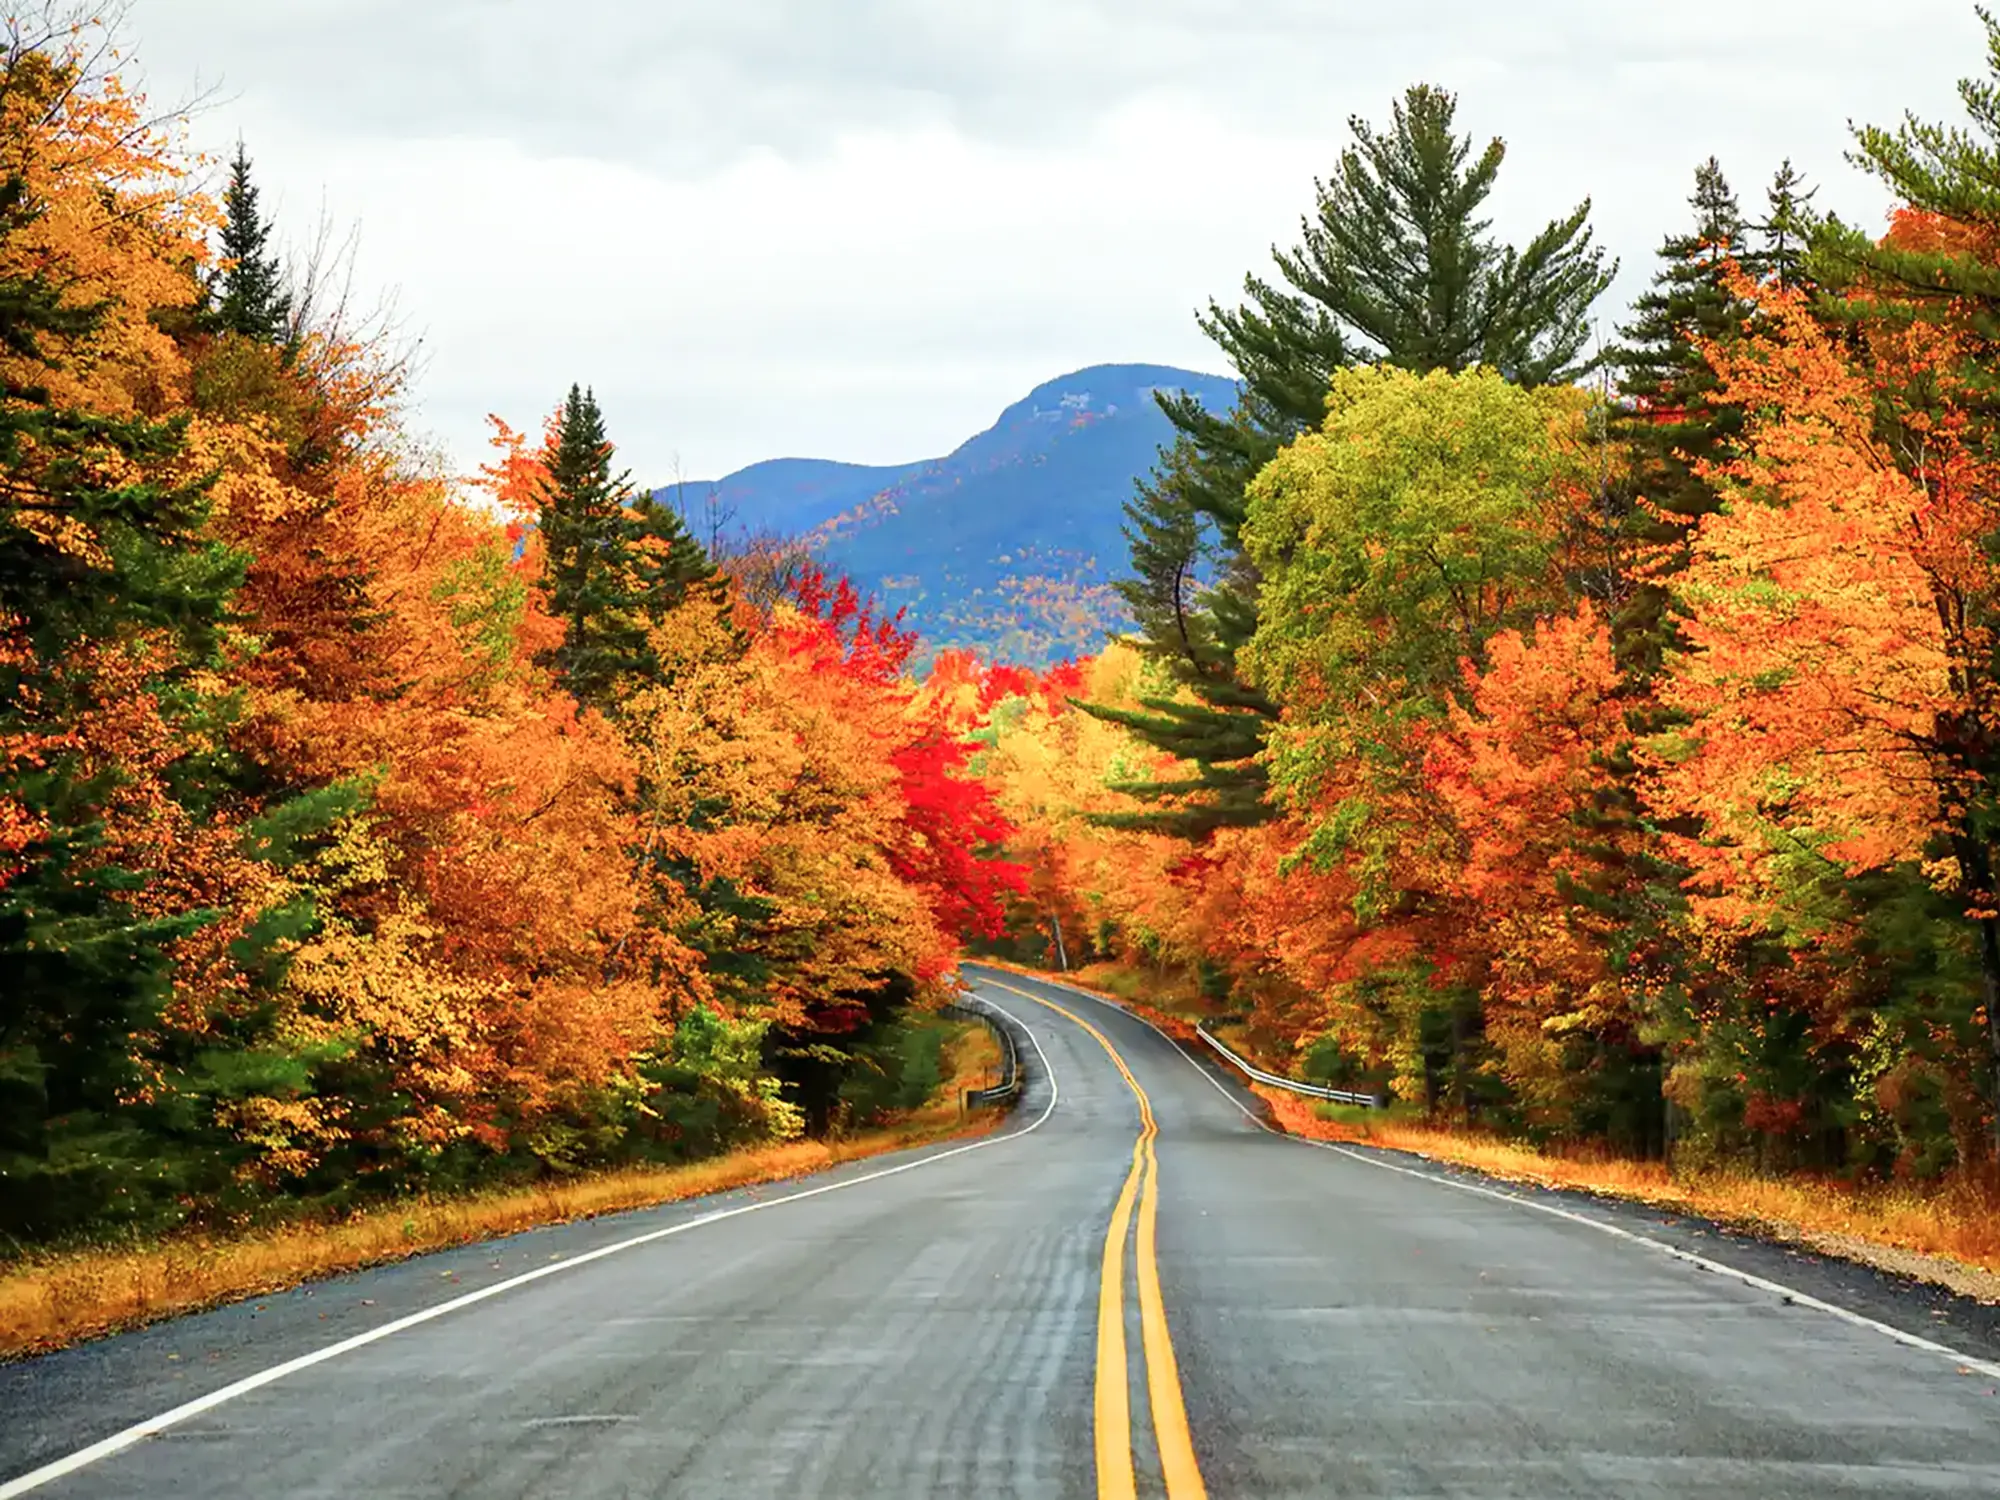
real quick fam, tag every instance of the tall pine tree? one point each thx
(1787, 228)
(616, 561)
(248, 297)
(1395, 264)
(587, 533)
(1671, 421)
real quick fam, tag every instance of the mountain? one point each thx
(790, 496)
(1010, 541)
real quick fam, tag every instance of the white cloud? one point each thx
(857, 230)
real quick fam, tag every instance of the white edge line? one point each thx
(1762, 1284)
(153, 1426)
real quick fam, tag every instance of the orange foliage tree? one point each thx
(315, 874)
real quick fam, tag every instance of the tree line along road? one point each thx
(1135, 1289)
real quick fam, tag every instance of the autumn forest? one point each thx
(1593, 744)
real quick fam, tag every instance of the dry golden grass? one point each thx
(1936, 1233)
(973, 1060)
(53, 1300)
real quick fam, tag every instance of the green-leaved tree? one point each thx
(1396, 265)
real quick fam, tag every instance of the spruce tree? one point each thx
(1395, 264)
(253, 302)
(99, 476)
(616, 562)
(1787, 228)
(83, 949)
(668, 564)
(588, 536)
(1672, 421)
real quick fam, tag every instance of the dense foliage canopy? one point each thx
(1602, 764)
(363, 829)
(1612, 763)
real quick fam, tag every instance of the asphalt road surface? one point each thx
(1134, 1289)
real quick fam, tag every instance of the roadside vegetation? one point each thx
(1944, 1232)
(370, 832)
(58, 1294)
(1596, 750)
(1593, 751)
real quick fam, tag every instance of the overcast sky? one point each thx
(858, 228)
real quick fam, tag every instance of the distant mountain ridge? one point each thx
(1007, 543)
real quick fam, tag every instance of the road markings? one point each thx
(1115, 1480)
(1967, 1362)
(1163, 1380)
(1163, 1374)
(152, 1427)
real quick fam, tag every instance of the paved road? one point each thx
(938, 1324)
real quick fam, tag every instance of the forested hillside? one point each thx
(1007, 545)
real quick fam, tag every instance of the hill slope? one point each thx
(1010, 541)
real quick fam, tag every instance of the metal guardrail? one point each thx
(1003, 1094)
(1292, 1085)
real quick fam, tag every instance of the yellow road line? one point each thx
(1114, 1402)
(1163, 1380)
(1163, 1374)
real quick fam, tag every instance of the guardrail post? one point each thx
(1009, 1087)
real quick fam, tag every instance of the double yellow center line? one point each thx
(1115, 1479)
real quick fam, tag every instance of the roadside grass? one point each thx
(971, 1060)
(1949, 1233)
(57, 1298)
(976, 1057)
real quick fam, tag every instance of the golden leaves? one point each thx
(1817, 662)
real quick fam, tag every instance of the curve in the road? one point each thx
(1968, 1363)
(1338, 1331)
(1179, 1467)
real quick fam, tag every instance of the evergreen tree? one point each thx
(1787, 228)
(617, 562)
(83, 951)
(94, 476)
(588, 534)
(253, 302)
(1194, 598)
(1943, 269)
(668, 564)
(1952, 176)
(1672, 421)
(1397, 265)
